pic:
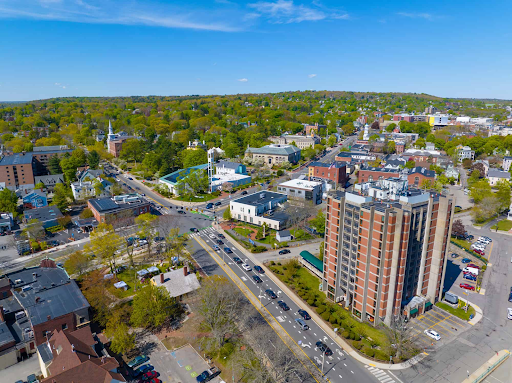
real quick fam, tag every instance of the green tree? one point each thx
(390, 147)
(420, 143)
(133, 150)
(54, 165)
(331, 141)
(152, 306)
(86, 213)
(479, 190)
(319, 222)
(77, 263)
(34, 230)
(117, 330)
(503, 194)
(410, 164)
(194, 157)
(62, 197)
(104, 243)
(227, 214)
(39, 185)
(390, 127)
(93, 159)
(8, 202)
(147, 229)
(348, 129)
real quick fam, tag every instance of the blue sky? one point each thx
(452, 48)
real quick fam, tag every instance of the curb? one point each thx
(487, 368)
(340, 341)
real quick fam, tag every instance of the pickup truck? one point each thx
(208, 375)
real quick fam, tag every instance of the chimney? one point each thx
(185, 270)
(49, 317)
(162, 278)
(2, 314)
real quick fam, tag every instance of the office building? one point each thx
(302, 190)
(302, 142)
(335, 172)
(259, 208)
(384, 257)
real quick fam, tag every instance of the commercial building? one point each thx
(410, 117)
(386, 257)
(438, 120)
(259, 208)
(355, 157)
(120, 207)
(233, 174)
(335, 172)
(302, 142)
(274, 154)
(302, 190)
(369, 174)
(34, 302)
(47, 215)
(310, 129)
(465, 152)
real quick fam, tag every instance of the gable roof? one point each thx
(498, 174)
(50, 179)
(423, 171)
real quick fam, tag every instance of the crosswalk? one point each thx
(381, 375)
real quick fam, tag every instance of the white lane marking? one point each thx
(351, 371)
(341, 377)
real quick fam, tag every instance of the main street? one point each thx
(337, 368)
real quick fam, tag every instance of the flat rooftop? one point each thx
(260, 198)
(108, 204)
(17, 159)
(301, 184)
(43, 214)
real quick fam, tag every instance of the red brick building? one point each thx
(336, 172)
(112, 209)
(379, 256)
(375, 174)
(418, 174)
(17, 170)
(313, 128)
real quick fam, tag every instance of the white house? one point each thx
(507, 161)
(259, 208)
(86, 189)
(496, 175)
(464, 152)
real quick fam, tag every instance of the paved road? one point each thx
(470, 349)
(337, 368)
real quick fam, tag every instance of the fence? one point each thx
(491, 368)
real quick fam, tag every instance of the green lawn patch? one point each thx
(458, 312)
(129, 276)
(199, 198)
(462, 243)
(485, 222)
(503, 225)
(243, 231)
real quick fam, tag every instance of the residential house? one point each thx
(179, 283)
(452, 172)
(283, 236)
(507, 161)
(465, 152)
(47, 215)
(34, 200)
(49, 181)
(418, 174)
(98, 188)
(494, 176)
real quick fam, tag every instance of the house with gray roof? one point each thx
(494, 176)
(50, 181)
(274, 154)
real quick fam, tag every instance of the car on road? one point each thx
(216, 248)
(257, 279)
(181, 212)
(510, 295)
(237, 260)
(221, 236)
(455, 255)
(302, 324)
(432, 334)
(218, 203)
(32, 379)
(304, 314)
(466, 286)
(194, 230)
(219, 242)
(228, 250)
(137, 361)
(209, 205)
(270, 294)
(285, 251)
(259, 269)
(509, 313)
(130, 178)
(466, 260)
(283, 305)
(246, 267)
(323, 348)
(244, 192)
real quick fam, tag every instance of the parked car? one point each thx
(466, 260)
(509, 313)
(270, 294)
(257, 279)
(194, 230)
(455, 255)
(208, 375)
(323, 348)
(221, 236)
(469, 277)
(510, 295)
(150, 375)
(143, 369)
(181, 212)
(474, 266)
(228, 250)
(219, 242)
(481, 252)
(467, 286)
(283, 305)
(304, 314)
(137, 361)
(259, 269)
(432, 334)
(285, 251)
(246, 267)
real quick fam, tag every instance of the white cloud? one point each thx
(242, 80)
(426, 16)
(286, 11)
(60, 85)
(135, 12)
(311, 75)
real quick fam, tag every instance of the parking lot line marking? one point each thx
(437, 323)
(214, 255)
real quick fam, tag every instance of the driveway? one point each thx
(21, 370)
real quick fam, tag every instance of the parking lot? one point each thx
(446, 325)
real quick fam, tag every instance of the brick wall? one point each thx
(66, 323)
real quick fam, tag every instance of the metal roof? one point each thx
(260, 198)
(310, 258)
(17, 159)
(274, 149)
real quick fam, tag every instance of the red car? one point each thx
(149, 375)
(473, 266)
(479, 252)
(466, 286)
(154, 380)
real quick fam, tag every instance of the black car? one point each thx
(323, 348)
(237, 260)
(221, 236)
(228, 250)
(285, 251)
(510, 296)
(181, 212)
(218, 203)
(283, 305)
(219, 242)
(257, 279)
(194, 230)
(244, 192)
(259, 269)
(270, 294)
(304, 314)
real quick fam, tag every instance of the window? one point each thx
(65, 326)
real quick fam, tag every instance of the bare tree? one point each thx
(400, 339)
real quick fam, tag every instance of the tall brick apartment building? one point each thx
(383, 258)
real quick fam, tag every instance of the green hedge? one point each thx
(484, 260)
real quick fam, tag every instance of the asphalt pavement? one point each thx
(337, 368)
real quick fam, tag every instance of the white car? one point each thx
(484, 240)
(432, 334)
(246, 267)
(509, 313)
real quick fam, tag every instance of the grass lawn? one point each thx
(485, 222)
(462, 243)
(503, 225)
(458, 312)
(199, 198)
(243, 231)
(304, 235)
(307, 284)
(129, 276)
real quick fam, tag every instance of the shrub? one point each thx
(226, 350)
(326, 315)
(311, 302)
(279, 263)
(258, 249)
(352, 335)
(345, 334)
(381, 355)
(279, 173)
(356, 337)
(284, 268)
(369, 351)
(357, 345)
(333, 319)
(320, 309)
(272, 263)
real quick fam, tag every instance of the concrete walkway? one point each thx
(340, 341)
(478, 314)
(484, 370)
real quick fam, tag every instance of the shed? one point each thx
(153, 270)
(283, 236)
(142, 273)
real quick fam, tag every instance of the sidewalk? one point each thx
(484, 370)
(340, 341)
(478, 314)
